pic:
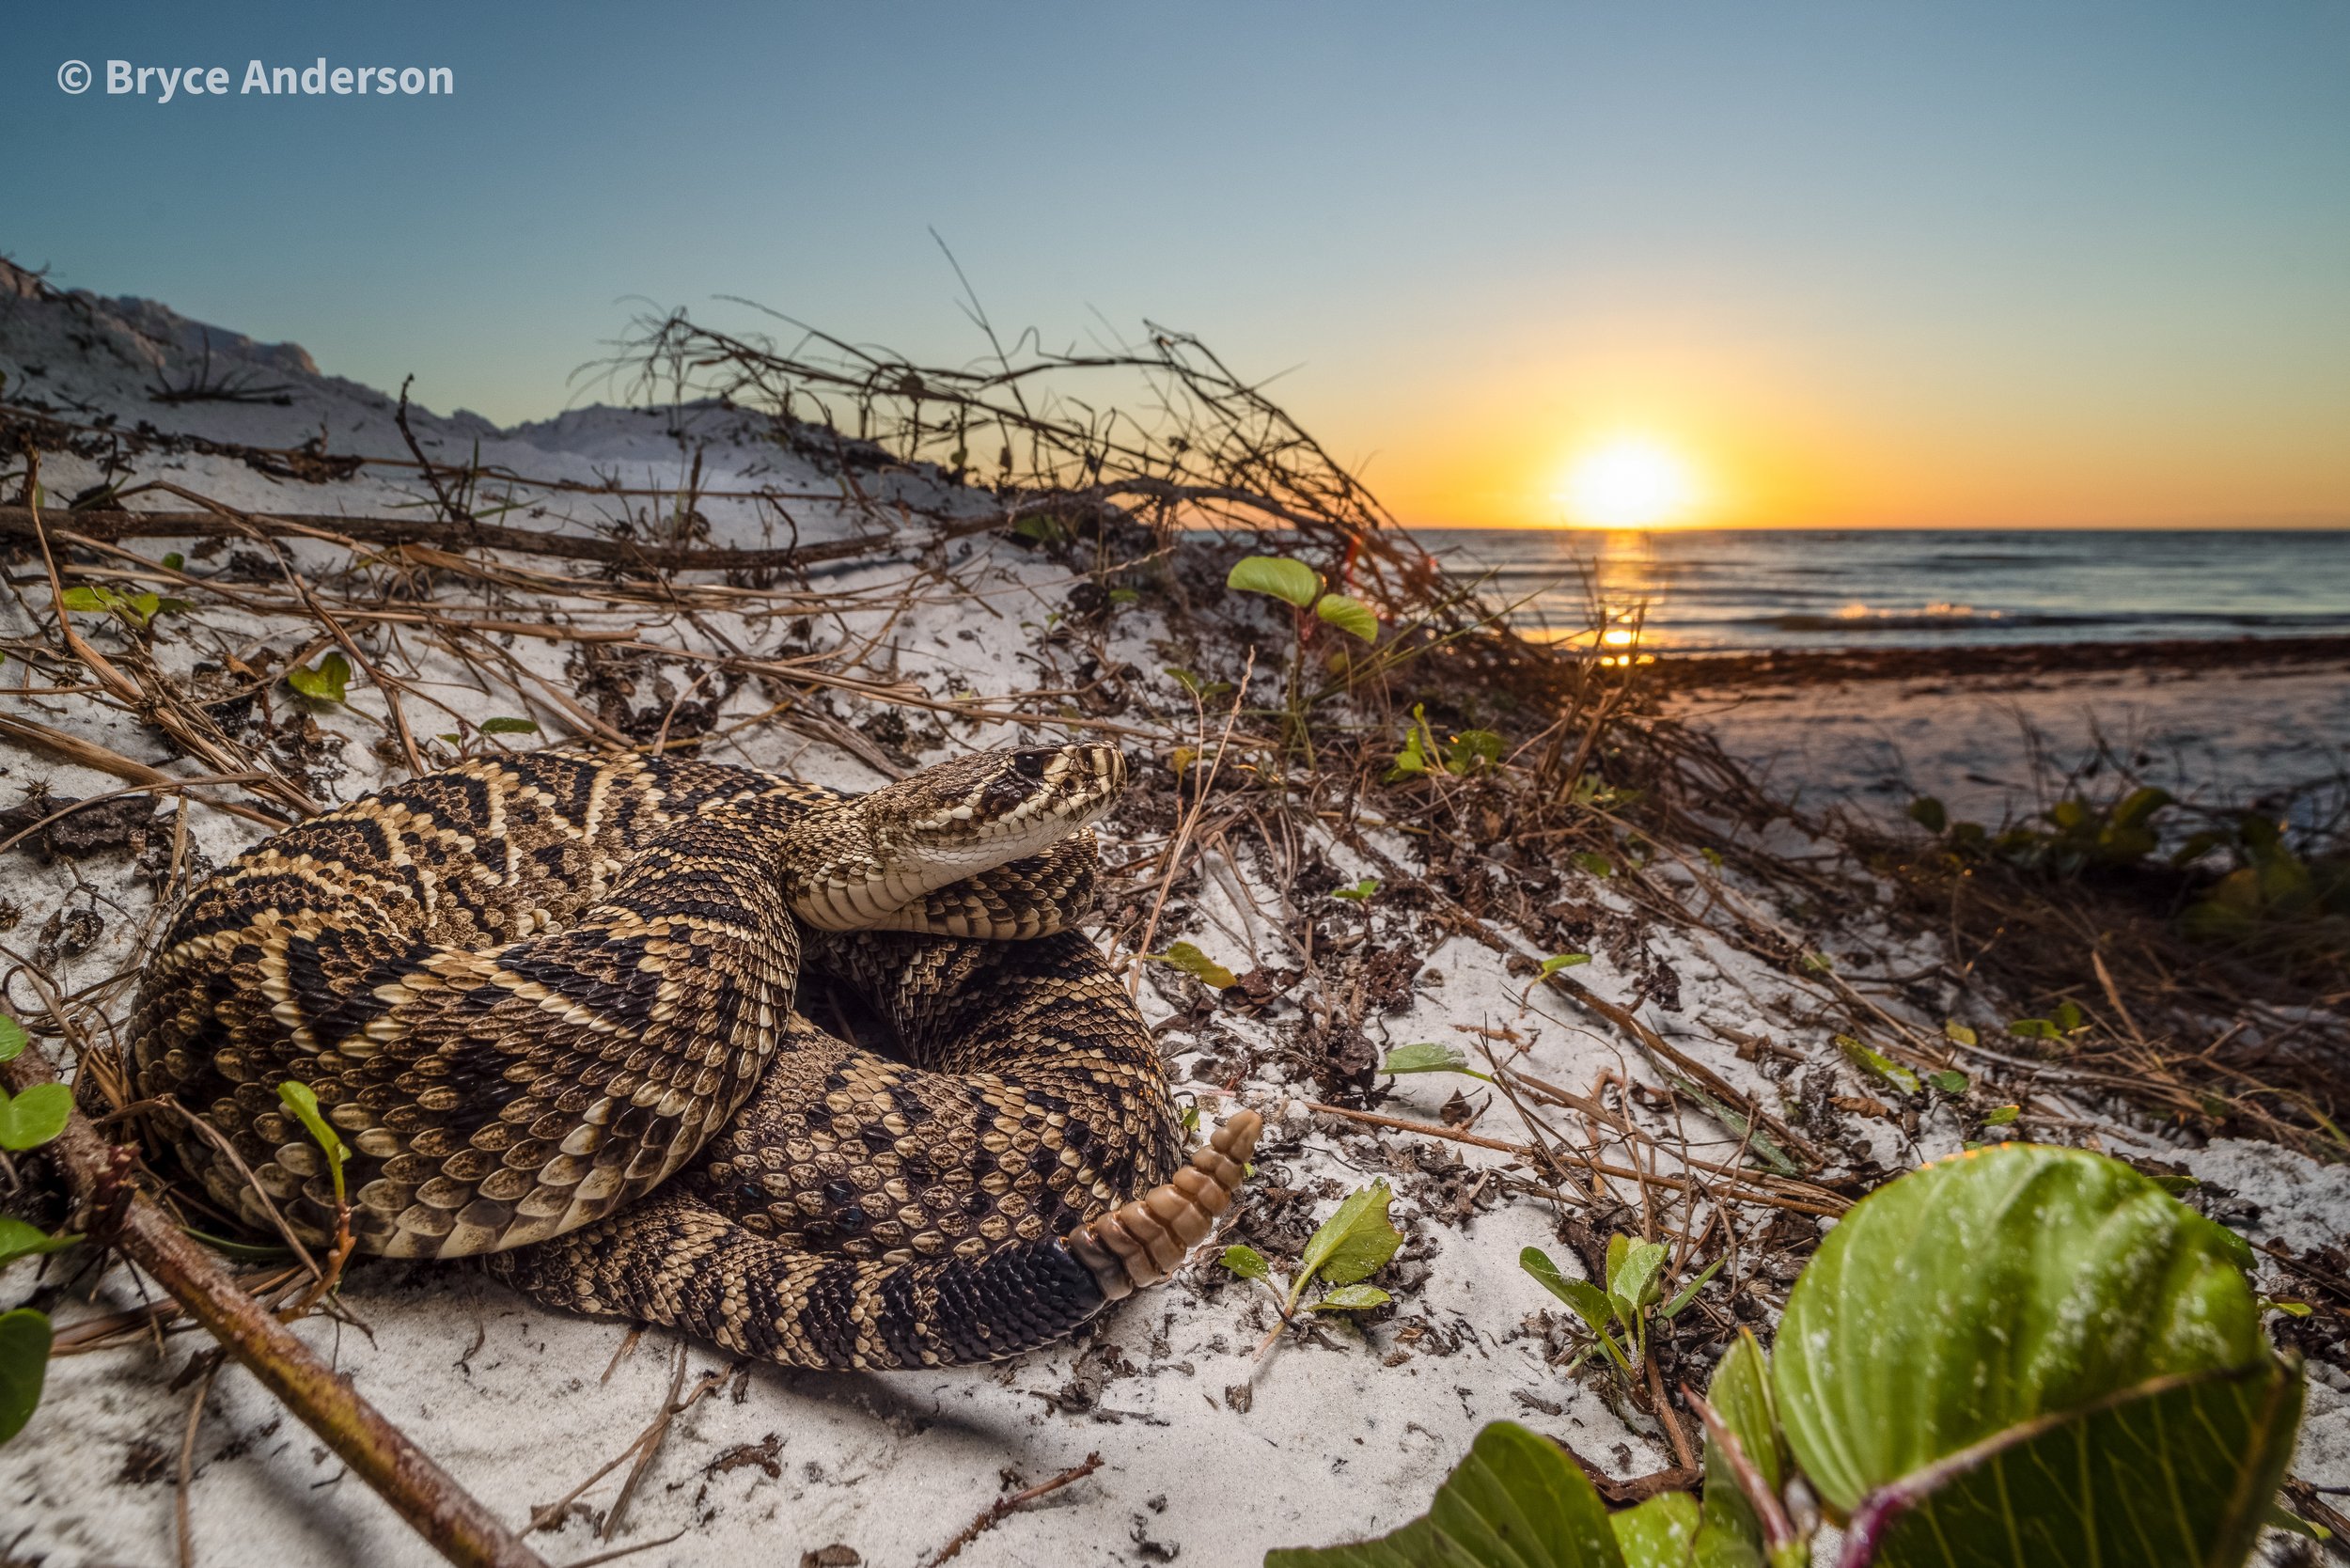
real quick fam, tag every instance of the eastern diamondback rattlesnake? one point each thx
(529, 991)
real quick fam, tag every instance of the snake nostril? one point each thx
(1029, 765)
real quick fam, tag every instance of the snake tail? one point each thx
(1142, 1242)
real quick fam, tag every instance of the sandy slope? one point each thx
(1334, 1436)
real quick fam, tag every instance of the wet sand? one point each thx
(1993, 730)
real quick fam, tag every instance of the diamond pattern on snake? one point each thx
(551, 1004)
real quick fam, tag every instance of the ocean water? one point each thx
(1733, 589)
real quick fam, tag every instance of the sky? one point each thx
(1952, 263)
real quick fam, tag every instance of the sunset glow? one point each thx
(1629, 482)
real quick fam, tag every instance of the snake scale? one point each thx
(548, 1004)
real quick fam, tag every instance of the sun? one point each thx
(1631, 482)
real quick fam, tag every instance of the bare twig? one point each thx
(1003, 1506)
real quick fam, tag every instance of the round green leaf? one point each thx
(11, 1037)
(1658, 1532)
(1247, 1263)
(34, 1117)
(20, 1240)
(1352, 1299)
(1989, 1289)
(24, 1366)
(1514, 1502)
(1351, 615)
(325, 683)
(1293, 582)
(2184, 1470)
(1355, 1243)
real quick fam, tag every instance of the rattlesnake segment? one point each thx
(529, 991)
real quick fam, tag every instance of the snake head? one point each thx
(1002, 805)
(878, 853)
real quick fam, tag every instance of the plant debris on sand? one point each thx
(1473, 925)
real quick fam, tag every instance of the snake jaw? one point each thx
(1143, 1242)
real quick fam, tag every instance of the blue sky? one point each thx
(1864, 262)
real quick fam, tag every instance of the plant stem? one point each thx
(419, 1491)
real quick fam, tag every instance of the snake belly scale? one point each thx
(548, 1004)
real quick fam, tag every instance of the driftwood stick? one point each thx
(418, 1490)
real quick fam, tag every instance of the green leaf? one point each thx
(1869, 1061)
(20, 1240)
(1361, 892)
(1247, 1263)
(1589, 1301)
(1206, 691)
(33, 1117)
(1427, 1056)
(2000, 1116)
(1657, 1532)
(1352, 1299)
(1515, 1501)
(23, 1366)
(509, 727)
(1594, 862)
(1293, 582)
(1473, 751)
(1410, 762)
(1929, 813)
(1949, 1080)
(1556, 962)
(1126, 596)
(1351, 615)
(1988, 1290)
(326, 682)
(1355, 1243)
(1689, 1292)
(87, 599)
(1634, 1286)
(2139, 804)
(300, 1099)
(1199, 965)
(12, 1040)
(2034, 1028)
(174, 561)
(1957, 1033)
(1731, 1531)
(2068, 1018)
(2181, 1469)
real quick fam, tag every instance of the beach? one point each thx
(2000, 733)
(1642, 993)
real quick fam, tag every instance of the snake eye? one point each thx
(1029, 765)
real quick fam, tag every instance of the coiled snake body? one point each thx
(547, 1002)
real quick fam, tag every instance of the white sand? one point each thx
(1341, 1437)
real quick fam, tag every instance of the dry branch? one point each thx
(108, 526)
(417, 1489)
